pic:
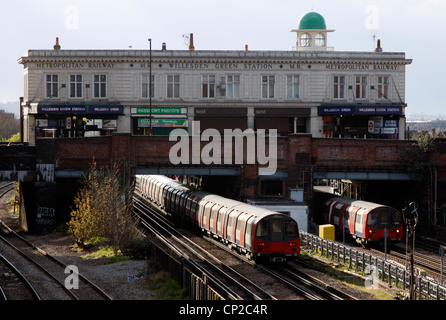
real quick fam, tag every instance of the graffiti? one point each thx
(45, 172)
(45, 216)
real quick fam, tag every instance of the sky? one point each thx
(416, 27)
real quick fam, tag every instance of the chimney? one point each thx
(378, 47)
(57, 46)
(246, 47)
(191, 42)
(164, 48)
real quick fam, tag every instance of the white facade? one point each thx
(321, 92)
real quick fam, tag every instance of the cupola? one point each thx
(312, 33)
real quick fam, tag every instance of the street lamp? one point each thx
(150, 85)
(74, 125)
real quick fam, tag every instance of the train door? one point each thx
(358, 223)
(249, 232)
(277, 235)
(330, 206)
(206, 215)
(233, 215)
(241, 229)
(213, 217)
(342, 213)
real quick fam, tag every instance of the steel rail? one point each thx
(53, 259)
(22, 278)
(206, 257)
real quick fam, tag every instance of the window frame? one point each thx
(208, 86)
(361, 90)
(173, 86)
(383, 87)
(305, 40)
(100, 85)
(146, 92)
(339, 87)
(319, 40)
(233, 86)
(76, 86)
(52, 85)
(293, 86)
(268, 86)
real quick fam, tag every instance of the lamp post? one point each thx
(74, 125)
(150, 84)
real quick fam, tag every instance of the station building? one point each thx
(309, 89)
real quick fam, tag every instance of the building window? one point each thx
(293, 87)
(233, 87)
(268, 87)
(305, 40)
(339, 87)
(383, 87)
(145, 83)
(320, 40)
(173, 86)
(76, 86)
(271, 188)
(208, 86)
(52, 86)
(361, 87)
(100, 85)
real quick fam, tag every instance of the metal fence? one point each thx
(374, 267)
(195, 284)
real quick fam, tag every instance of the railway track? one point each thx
(229, 283)
(51, 278)
(304, 286)
(13, 284)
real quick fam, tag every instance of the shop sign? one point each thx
(162, 123)
(335, 110)
(157, 110)
(110, 109)
(41, 123)
(390, 123)
(106, 109)
(379, 110)
(62, 109)
(371, 126)
(109, 124)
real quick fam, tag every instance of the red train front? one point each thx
(276, 237)
(364, 221)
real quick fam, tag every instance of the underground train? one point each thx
(260, 234)
(364, 221)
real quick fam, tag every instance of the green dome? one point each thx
(312, 21)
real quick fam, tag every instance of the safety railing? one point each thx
(374, 267)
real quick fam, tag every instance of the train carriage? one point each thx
(256, 232)
(364, 221)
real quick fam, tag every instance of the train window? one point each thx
(373, 219)
(336, 212)
(262, 228)
(291, 229)
(277, 225)
(359, 218)
(384, 216)
(395, 218)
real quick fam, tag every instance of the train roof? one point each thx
(256, 211)
(358, 203)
